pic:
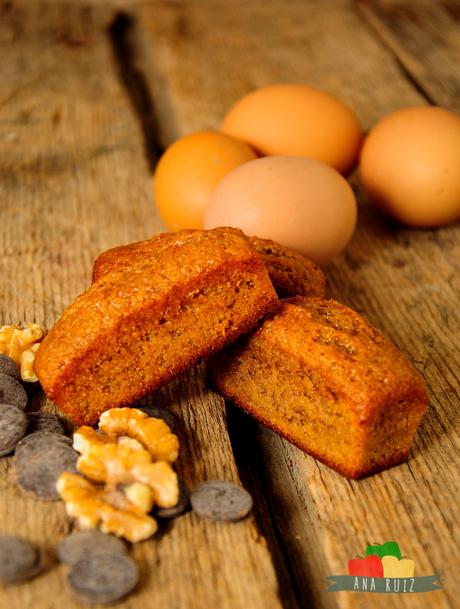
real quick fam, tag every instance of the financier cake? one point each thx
(318, 374)
(135, 329)
(291, 273)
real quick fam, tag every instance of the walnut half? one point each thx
(127, 465)
(153, 434)
(21, 344)
(93, 506)
(116, 464)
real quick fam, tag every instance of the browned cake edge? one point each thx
(291, 273)
(122, 256)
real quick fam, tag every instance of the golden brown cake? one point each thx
(291, 273)
(318, 374)
(121, 257)
(135, 329)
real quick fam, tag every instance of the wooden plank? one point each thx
(199, 60)
(425, 38)
(74, 181)
(201, 63)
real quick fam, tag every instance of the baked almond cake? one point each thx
(321, 376)
(123, 256)
(291, 273)
(136, 328)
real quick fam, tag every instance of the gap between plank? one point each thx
(243, 431)
(122, 34)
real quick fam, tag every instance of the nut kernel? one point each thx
(130, 457)
(140, 495)
(85, 438)
(117, 464)
(153, 434)
(111, 463)
(21, 344)
(92, 507)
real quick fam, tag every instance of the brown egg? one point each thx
(297, 120)
(410, 166)
(298, 202)
(188, 171)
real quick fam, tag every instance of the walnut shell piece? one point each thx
(111, 511)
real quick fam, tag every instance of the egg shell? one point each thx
(296, 120)
(410, 166)
(298, 202)
(188, 171)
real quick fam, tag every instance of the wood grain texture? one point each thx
(199, 60)
(203, 60)
(424, 36)
(74, 181)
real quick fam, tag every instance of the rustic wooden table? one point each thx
(90, 94)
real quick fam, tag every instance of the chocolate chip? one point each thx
(13, 425)
(81, 544)
(12, 392)
(180, 507)
(221, 500)
(19, 559)
(157, 412)
(44, 421)
(40, 459)
(8, 366)
(103, 578)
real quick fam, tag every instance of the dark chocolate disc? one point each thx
(19, 559)
(9, 367)
(44, 421)
(81, 544)
(13, 426)
(103, 578)
(221, 500)
(12, 392)
(40, 458)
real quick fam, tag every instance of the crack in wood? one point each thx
(123, 33)
(243, 432)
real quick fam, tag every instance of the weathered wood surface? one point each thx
(199, 60)
(75, 180)
(424, 38)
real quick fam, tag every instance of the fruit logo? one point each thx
(382, 561)
(383, 569)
